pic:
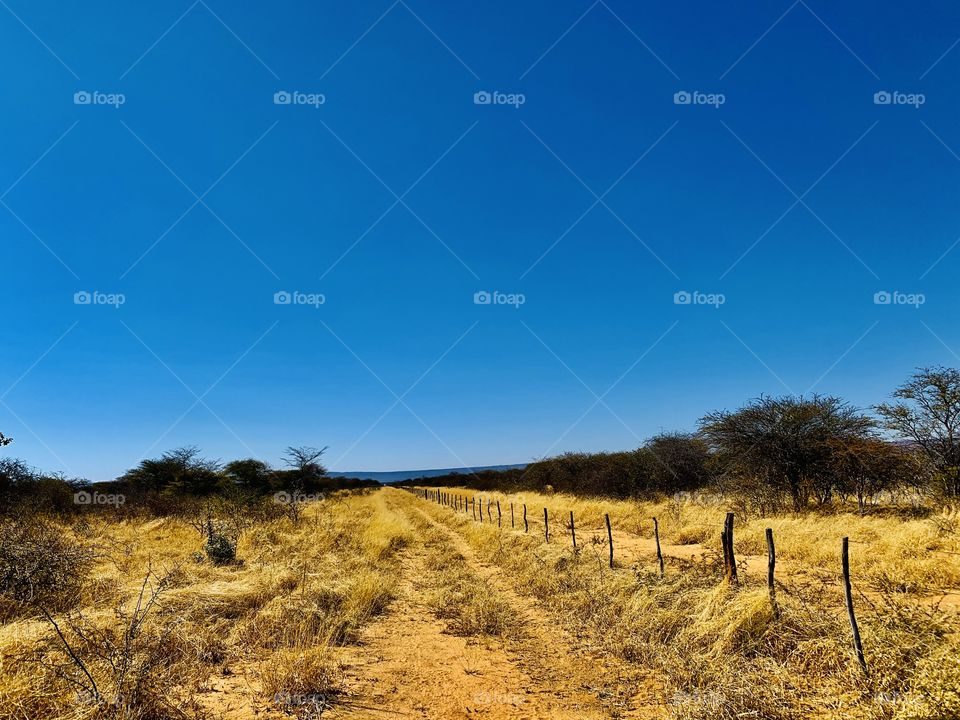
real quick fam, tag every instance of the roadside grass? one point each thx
(298, 592)
(457, 595)
(901, 550)
(728, 652)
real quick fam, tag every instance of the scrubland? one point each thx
(378, 602)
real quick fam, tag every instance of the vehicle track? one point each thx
(409, 665)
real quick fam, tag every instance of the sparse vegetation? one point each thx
(189, 586)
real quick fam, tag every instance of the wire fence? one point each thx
(476, 506)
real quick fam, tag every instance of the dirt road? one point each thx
(410, 664)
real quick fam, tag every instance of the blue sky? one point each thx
(783, 187)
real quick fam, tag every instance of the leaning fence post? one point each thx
(848, 591)
(573, 531)
(609, 539)
(727, 538)
(489, 514)
(526, 525)
(656, 536)
(473, 507)
(771, 560)
(771, 567)
(546, 526)
(499, 516)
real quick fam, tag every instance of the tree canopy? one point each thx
(785, 442)
(928, 414)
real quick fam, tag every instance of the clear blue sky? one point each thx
(199, 198)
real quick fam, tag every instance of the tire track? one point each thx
(408, 665)
(554, 656)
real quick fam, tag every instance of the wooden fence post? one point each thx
(473, 506)
(489, 514)
(656, 536)
(771, 560)
(526, 525)
(481, 510)
(609, 539)
(771, 567)
(573, 531)
(511, 517)
(848, 591)
(499, 516)
(546, 526)
(726, 538)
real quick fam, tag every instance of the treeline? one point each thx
(791, 452)
(174, 481)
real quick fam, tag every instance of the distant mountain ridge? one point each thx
(398, 475)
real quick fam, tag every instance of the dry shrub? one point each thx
(134, 666)
(302, 681)
(40, 566)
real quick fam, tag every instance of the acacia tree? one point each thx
(680, 462)
(249, 474)
(784, 442)
(178, 471)
(305, 466)
(868, 466)
(928, 415)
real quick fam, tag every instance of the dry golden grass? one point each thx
(895, 551)
(729, 652)
(456, 595)
(298, 591)
(278, 617)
